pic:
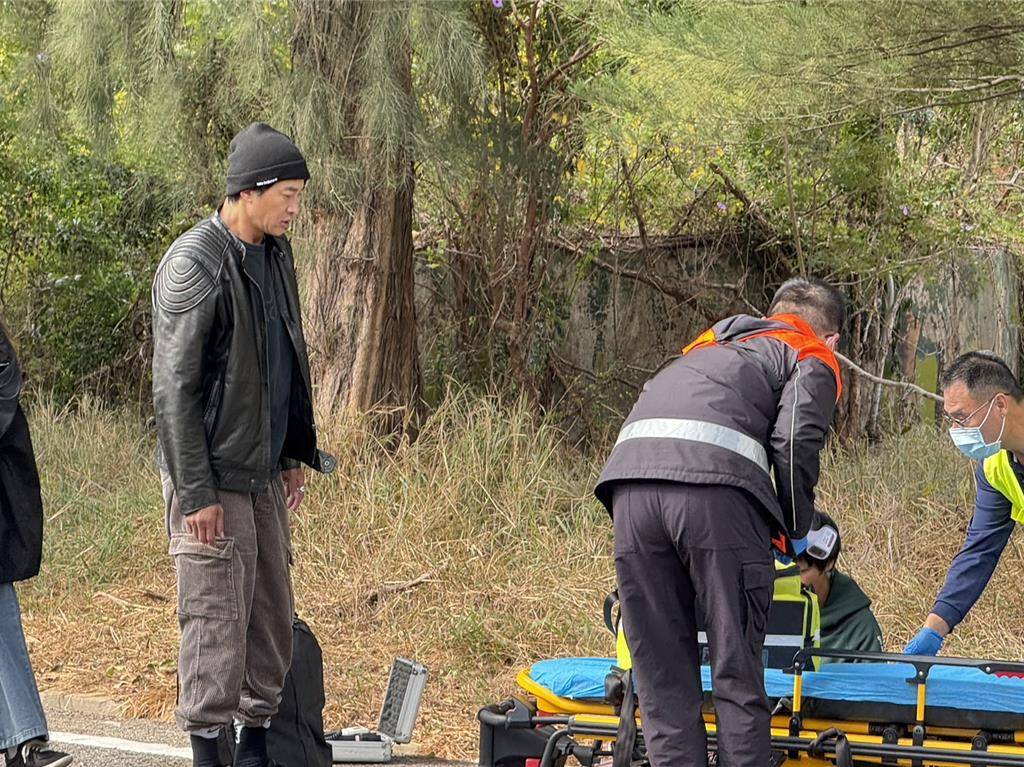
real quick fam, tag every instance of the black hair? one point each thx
(232, 198)
(984, 373)
(817, 302)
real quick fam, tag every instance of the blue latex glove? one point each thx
(926, 642)
(782, 558)
(799, 547)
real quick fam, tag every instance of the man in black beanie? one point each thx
(233, 401)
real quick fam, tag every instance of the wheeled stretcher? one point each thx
(911, 711)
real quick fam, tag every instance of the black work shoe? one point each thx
(252, 748)
(212, 752)
(37, 753)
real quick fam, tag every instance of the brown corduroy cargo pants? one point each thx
(235, 608)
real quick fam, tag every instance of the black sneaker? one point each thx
(36, 753)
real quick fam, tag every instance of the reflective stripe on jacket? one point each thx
(752, 398)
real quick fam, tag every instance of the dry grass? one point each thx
(904, 508)
(476, 551)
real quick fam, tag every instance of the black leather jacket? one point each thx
(21, 505)
(210, 377)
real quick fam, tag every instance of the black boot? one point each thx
(212, 752)
(252, 748)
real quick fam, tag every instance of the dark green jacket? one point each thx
(847, 622)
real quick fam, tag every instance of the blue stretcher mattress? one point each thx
(883, 685)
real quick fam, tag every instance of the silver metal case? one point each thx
(402, 701)
(397, 718)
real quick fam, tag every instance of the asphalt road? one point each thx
(97, 741)
(146, 738)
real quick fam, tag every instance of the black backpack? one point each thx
(296, 734)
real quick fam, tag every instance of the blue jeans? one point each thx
(21, 713)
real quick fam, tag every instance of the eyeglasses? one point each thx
(961, 422)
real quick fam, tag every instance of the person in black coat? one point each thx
(23, 730)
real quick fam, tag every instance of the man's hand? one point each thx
(925, 642)
(294, 487)
(928, 641)
(206, 525)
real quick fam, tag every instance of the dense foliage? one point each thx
(594, 180)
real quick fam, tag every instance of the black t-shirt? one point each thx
(280, 353)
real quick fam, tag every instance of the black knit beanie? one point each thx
(261, 156)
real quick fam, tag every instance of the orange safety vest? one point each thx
(801, 338)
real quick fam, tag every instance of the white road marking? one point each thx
(120, 744)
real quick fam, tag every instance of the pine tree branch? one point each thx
(1009, 31)
(794, 220)
(590, 374)
(581, 54)
(633, 202)
(751, 207)
(970, 86)
(672, 291)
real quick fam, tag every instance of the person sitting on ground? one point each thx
(847, 622)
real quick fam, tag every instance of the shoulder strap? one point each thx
(805, 343)
(610, 620)
(707, 338)
(798, 336)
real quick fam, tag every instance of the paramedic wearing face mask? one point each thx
(984, 407)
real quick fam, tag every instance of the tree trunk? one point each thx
(858, 400)
(360, 305)
(362, 314)
(887, 332)
(908, 348)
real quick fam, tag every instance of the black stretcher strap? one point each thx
(816, 747)
(622, 755)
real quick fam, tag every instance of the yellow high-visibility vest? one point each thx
(794, 621)
(999, 473)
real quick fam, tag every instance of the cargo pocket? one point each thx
(758, 581)
(206, 578)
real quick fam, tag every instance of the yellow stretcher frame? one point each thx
(550, 703)
(780, 730)
(598, 720)
(592, 712)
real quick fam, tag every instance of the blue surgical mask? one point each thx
(971, 443)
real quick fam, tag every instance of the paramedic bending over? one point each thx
(984, 408)
(689, 485)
